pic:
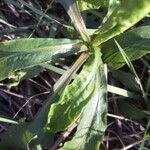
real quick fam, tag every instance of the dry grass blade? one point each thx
(135, 143)
(2, 119)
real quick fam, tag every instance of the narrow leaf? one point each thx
(74, 13)
(23, 53)
(131, 67)
(128, 13)
(90, 131)
(127, 79)
(135, 43)
(75, 97)
(123, 92)
(110, 88)
(131, 111)
(2, 119)
(146, 135)
(31, 134)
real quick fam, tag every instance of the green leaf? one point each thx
(128, 13)
(24, 74)
(112, 4)
(32, 134)
(23, 53)
(146, 135)
(75, 16)
(110, 88)
(90, 131)
(127, 79)
(135, 43)
(19, 136)
(131, 111)
(88, 4)
(133, 71)
(75, 97)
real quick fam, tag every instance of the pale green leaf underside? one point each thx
(75, 97)
(22, 53)
(135, 43)
(92, 125)
(123, 17)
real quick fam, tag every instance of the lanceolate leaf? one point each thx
(131, 67)
(123, 17)
(22, 53)
(92, 125)
(131, 111)
(32, 134)
(123, 77)
(135, 43)
(74, 13)
(75, 97)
